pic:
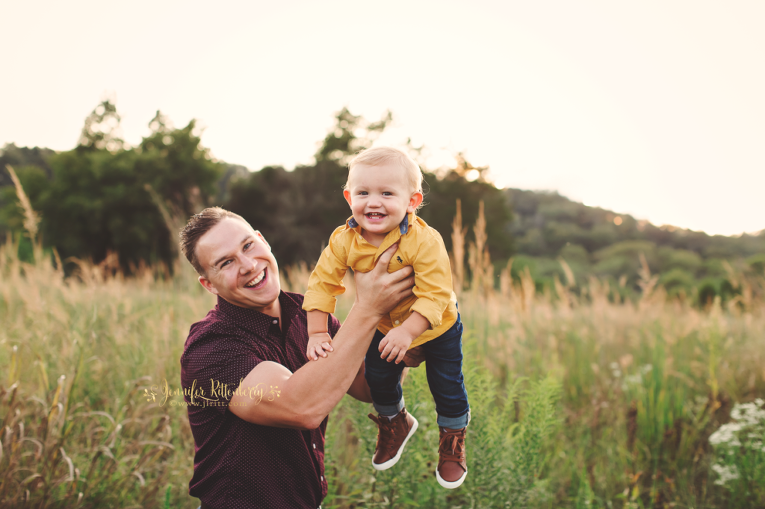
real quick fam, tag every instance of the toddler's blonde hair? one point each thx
(378, 156)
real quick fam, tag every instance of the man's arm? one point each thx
(310, 393)
(359, 388)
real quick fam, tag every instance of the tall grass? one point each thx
(578, 399)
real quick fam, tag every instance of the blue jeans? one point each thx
(443, 364)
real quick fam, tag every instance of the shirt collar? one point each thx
(255, 320)
(403, 226)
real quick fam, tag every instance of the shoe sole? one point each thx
(451, 485)
(394, 459)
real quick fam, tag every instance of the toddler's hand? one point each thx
(395, 344)
(318, 344)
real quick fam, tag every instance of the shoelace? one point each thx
(451, 446)
(386, 432)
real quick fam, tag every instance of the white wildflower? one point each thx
(726, 473)
(726, 435)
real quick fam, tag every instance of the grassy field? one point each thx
(579, 399)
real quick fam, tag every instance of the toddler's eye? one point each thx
(387, 193)
(362, 193)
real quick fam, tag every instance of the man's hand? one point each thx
(378, 292)
(395, 344)
(318, 345)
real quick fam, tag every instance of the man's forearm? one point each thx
(318, 386)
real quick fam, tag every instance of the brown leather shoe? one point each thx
(452, 466)
(391, 438)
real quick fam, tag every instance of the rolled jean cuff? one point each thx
(454, 422)
(389, 409)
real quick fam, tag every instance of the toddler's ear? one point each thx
(347, 195)
(414, 202)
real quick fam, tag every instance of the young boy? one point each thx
(384, 190)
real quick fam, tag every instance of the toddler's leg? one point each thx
(444, 370)
(384, 379)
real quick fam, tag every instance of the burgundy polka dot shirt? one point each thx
(237, 464)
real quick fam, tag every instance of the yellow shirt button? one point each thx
(396, 322)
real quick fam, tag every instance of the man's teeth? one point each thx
(257, 279)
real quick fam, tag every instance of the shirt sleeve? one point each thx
(432, 279)
(326, 281)
(213, 367)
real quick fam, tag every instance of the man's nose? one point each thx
(247, 264)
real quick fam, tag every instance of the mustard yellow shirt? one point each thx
(421, 247)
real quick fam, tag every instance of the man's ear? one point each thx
(414, 202)
(257, 232)
(208, 285)
(347, 195)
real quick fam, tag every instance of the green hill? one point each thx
(606, 244)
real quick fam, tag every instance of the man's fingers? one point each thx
(404, 274)
(403, 287)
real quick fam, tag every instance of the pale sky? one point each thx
(652, 108)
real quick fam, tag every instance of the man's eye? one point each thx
(247, 246)
(225, 263)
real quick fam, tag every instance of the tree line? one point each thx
(104, 196)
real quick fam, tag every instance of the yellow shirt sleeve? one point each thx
(432, 278)
(326, 281)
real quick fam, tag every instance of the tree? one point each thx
(351, 134)
(441, 206)
(99, 201)
(101, 129)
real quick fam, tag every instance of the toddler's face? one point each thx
(380, 197)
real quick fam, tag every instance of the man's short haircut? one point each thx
(379, 156)
(198, 225)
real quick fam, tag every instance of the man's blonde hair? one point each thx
(379, 156)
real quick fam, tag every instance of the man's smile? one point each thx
(258, 281)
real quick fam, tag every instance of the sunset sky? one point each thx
(656, 109)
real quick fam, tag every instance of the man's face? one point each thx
(239, 265)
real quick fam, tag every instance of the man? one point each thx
(257, 409)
